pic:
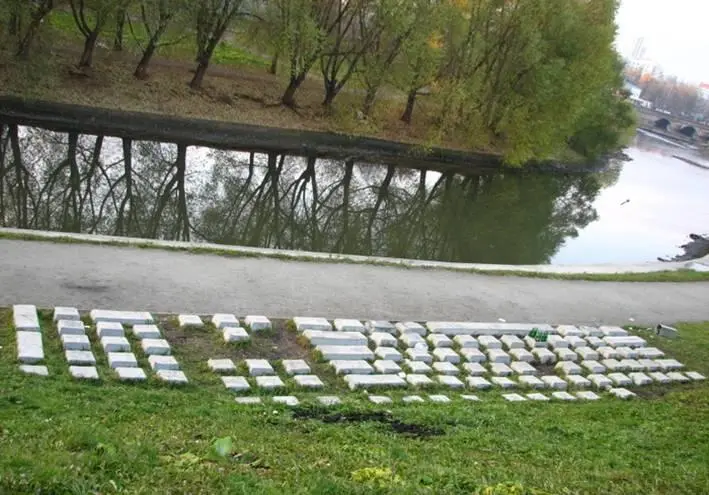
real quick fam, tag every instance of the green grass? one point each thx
(662, 276)
(61, 436)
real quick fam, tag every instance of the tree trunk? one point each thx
(120, 23)
(288, 97)
(141, 71)
(330, 93)
(369, 99)
(13, 25)
(410, 102)
(87, 56)
(274, 63)
(196, 82)
(23, 46)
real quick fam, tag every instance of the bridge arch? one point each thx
(689, 131)
(663, 124)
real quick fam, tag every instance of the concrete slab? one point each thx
(640, 379)
(303, 323)
(345, 325)
(412, 340)
(649, 365)
(344, 352)
(537, 397)
(473, 355)
(626, 353)
(578, 381)
(156, 347)
(514, 398)
(676, 376)
(576, 342)
(591, 331)
(235, 335)
(295, 367)
(511, 342)
(495, 329)
(466, 341)
(259, 367)
(632, 341)
(469, 397)
(141, 332)
(564, 354)
(287, 400)
(76, 342)
(612, 364)
(557, 342)
(695, 376)
(115, 344)
(489, 342)
(223, 320)
(498, 356)
(622, 393)
(122, 360)
(386, 367)
(523, 368)
(380, 326)
(449, 381)
(568, 368)
(269, 382)
(543, 356)
(608, 353)
(632, 365)
(439, 399)
(71, 327)
(308, 381)
(417, 366)
(65, 313)
(351, 367)
(190, 321)
(131, 374)
(382, 339)
(478, 383)
(84, 372)
(24, 318)
(593, 366)
(323, 337)
(522, 355)
(554, 382)
(446, 354)
(500, 369)
(248, 401)
(439, 340)
(533, 343)
(109, 329)
(34, 369)
(388, 353)
(257, 323)
(380, 399)
(612, 331)
(565, 396)
(503, 382)
(163, 363)
(587, 395)
(80, 358)
(531, 382)
(418, 355)
(445, 368)
(669, 364)
(620, 379)
(587, 354)
(650, 353)
(370, 381)
(221, 365)
(410, 327)
(474, 369)
(601, 382)
(659, 377)
(123, 317)
(595, 342)
(329, 400)
(569, 331)
(412, 398)
(173, 377)
(419, 380)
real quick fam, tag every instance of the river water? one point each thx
(634, 211)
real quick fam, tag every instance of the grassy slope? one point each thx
(59, 436)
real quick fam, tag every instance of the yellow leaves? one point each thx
(435, 41)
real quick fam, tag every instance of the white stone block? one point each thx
(576, 342)
(627, 341)
(344, 325)
(557, 342)
(385, 366)
(84, 372)
(578, 381)
(412, 340)
(632, 364)
(115, 344)
(235, 335)
(417, 366)
(649, 365)
(221, 365)
(445, 368)
(190, 321)
(466, 341)
(475, 328)
(512, 342)
(595, 342)
(257, 323)
(626, 353)
(478, 383)
(163, 363)
(295, 367)
(694, 376)
(269, 382)
(474, 369)
(568, 368)
(71, 327)
(29, 346)
(676, 376)
(600, 381)
(412, 398)
(286, 400)
(471, 398)
(489, 342)
(555, 382)
(640, 379)
(439, 340)
(66, 313)
(34, 369)
(498, 356)
(259, 367)
(503, 382)
(343, 352)
(419, 355)
(404, 327)
(388, 353)
(514, 398)
(543, 356)
(146, 332)
(659, 377)
(329, 400)
(587, 354)
(562, 396)
(537, 397)
(76, 342)
(611, 331)
(122, 360)
(248, 401)
(174, 377)
(608, 353)
(473, 355)
(612, 364)
(669, 364)
(131, 374)
(156, 347)
(419, 380)
(321, 337)
(564, 354)
(622, 393)
(351, 367)
(382, 339)
(500, 369)
(650, 353)
(587, 395)
(123, 317)
(523, 368)
(223, 320)
(380, 399)
(380, 326)
(446, 354)
(109, 329)
(24, 318)
(439, 399)
(308, 381)
(620, 379)
(530, 381)
(569, 331)
(533, 343)
(81, 358)
(303, 323)
(449, 381)
(368, 381)
(593, 366)
(591, 331)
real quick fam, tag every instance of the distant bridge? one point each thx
(676, 126)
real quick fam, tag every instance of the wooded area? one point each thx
(532, 76)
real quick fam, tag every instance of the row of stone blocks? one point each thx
(229, 325)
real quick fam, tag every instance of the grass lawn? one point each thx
(61, 436)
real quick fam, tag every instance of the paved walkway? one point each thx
(86, 276)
